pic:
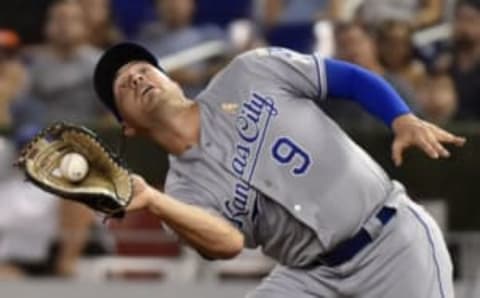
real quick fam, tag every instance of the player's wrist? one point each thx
(154, 201)
(399, 123)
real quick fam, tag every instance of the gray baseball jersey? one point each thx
(261, 132)
(273, 164)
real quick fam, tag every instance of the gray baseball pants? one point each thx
(409, 259)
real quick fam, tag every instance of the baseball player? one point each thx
(254, 162)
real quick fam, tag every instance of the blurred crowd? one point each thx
(429, 50)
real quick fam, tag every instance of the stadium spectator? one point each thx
(61, 69)
(344, 10)
(466, 59)
(30, 221)
(394, 40)
(173, 33)
(437, 99)
(244, 36)
(13, 75)
(103, 32)
(280, 12)
(418, 13)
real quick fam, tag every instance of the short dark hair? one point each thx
(383, 30)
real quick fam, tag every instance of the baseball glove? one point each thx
(107, 186)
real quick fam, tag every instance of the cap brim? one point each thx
(109, 64)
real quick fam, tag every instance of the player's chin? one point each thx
(151, 100)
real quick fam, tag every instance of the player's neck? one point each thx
(179, 133)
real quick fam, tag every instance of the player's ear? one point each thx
(128, 130)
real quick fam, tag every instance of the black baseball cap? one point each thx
(112, 60)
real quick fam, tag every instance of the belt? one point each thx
(346, 250)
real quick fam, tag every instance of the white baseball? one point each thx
(74, 167)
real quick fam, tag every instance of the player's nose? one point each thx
(137, 79)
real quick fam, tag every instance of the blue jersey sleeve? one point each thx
(372, 92)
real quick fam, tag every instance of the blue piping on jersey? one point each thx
(255, 115)
(262, 137)
(430, 240)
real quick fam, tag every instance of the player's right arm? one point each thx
(317, 78)
(211, 235)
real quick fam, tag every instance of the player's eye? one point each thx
(143, 70)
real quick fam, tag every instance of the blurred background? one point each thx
(429, 50)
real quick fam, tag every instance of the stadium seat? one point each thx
(131, 15)
(299, 37)
(222, 12)
(144, 250)
(142, 234)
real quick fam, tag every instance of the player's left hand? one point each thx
(142, 194)
(411, 131)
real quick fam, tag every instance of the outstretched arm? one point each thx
(210, 235)
(375, 95)
(316, 78)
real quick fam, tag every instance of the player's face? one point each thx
(66, 24)
(354, 45)
(176, 13)
(467, 27)
(141, 93)
(394, 47)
